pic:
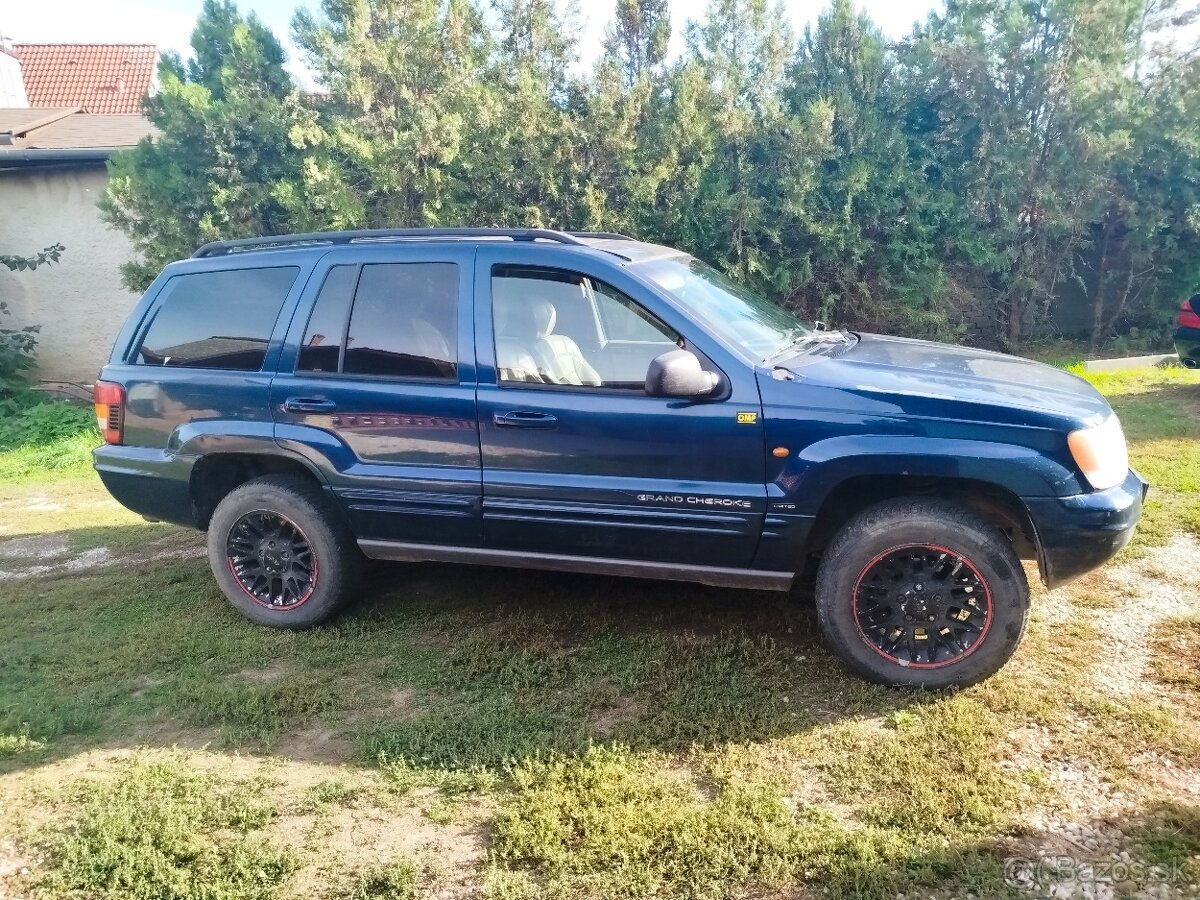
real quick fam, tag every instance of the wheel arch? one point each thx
(832, 480)
(215, 475)
(992, 502)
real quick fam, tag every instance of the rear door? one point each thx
(596, 467)
(378, 379)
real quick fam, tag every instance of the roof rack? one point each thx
(384, 235)
(601, 235)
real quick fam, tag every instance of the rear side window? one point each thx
(322, 347)
(402, 323)
(217, 320)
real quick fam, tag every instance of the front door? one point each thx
(577, 459)
(378, 374)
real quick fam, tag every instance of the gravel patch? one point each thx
(16, 872)
(35, 546)
(1149, 590)
(96, 558)
(89, 559)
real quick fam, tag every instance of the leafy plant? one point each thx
(395, 882)
(160, 829)
(45, 423)
(20, 742)
(50, 254)
(18, 345)
(17, 356)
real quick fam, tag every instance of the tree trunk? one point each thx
(1097, 298)
(1016, 312)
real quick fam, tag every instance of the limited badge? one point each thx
(747, 418)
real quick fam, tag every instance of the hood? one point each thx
(901, 367)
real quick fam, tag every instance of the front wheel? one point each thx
(922, 593)
(281, 554)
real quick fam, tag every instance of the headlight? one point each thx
(1101, 453)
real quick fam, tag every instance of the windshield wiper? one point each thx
(809, 339)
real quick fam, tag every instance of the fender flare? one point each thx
(821, 467)
(215, 437)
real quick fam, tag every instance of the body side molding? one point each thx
(519, 559)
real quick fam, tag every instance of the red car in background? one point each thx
(1187, 338)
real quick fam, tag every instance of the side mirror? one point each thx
(678, 374)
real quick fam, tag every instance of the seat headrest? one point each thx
(519, 313)
(544, 315)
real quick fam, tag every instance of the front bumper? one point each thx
(1077, 534)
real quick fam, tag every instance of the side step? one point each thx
(592, 565)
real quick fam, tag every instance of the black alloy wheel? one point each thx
(922, 605)
(271, 560)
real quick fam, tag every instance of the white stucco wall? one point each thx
(12, 85)
(79, 301)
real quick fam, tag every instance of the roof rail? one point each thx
(383, 235)
(601, 235)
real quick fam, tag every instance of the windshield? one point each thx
(754, 323)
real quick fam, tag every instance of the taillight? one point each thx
(1189, 313)
(110, 410)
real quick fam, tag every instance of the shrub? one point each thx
(17, 348)
(17, 742)
(18, 345)
(45, 423)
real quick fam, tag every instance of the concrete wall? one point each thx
(80, 301)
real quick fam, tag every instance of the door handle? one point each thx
(524, 418)
(308, 405)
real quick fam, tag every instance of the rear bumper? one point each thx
(1187, 345)
(1076, 534)
(149, 482)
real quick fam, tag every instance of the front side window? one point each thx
(217, 320)
(624, 320)
(563, 328)
(402, 322)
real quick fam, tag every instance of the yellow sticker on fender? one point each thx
(747, 418)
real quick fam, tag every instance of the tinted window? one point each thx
(327, 325)
(217, 320)
(405, 321)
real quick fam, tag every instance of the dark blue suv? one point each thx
(591, 403)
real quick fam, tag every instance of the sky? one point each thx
(169, 23)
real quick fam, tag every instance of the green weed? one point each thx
(159, 829)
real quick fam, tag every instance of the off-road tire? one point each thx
(334, 551)
(891, 527)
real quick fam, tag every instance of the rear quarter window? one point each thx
(217, 320)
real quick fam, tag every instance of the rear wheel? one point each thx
(281, 554)
(922, 593)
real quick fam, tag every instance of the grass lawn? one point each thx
(471, 732)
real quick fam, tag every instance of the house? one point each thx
(84, 103)
(102, 79)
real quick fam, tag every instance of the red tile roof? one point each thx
(100, 78)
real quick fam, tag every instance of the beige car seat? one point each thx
(430, 342)
(527, 349)
(558, 355)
